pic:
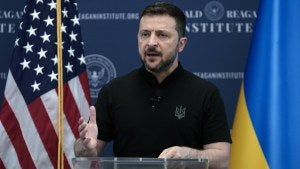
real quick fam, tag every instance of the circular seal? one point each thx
(100, 71)
(214, 10)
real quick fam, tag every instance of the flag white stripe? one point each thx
(8, 153)
(31, 136)
(49, 100)
(79, 97)
(69, 141)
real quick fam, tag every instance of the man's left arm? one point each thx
(218, 154)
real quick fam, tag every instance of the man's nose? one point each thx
(152, 41)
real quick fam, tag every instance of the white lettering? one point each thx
(108, 16)
(220, 27)
(193, 14)
(10, 14)
(241, 14)
(7, 28)
(220, 75)
(2, 75)
(132, 16)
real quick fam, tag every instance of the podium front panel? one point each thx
(137, 163)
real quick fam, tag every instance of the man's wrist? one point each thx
(81, 150)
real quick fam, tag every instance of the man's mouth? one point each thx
(153, 54)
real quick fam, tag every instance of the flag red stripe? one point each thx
(45, 128)
(71, 110)
(1, 164)
(12, 127)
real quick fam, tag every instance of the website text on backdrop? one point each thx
(160, 109)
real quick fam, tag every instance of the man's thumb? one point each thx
(92, 114)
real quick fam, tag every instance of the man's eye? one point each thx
(144, 34)
(163, 35)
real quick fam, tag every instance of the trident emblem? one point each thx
(180, 112)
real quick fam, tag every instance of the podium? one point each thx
(137, 163)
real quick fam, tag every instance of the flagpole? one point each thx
(60, 160)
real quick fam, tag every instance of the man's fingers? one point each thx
(81, 126)
(81, 120)
(169, 153)
(164, 154)
(92, 115)
(86, 141)
(82, 134)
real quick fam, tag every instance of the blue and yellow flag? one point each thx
(266, 129)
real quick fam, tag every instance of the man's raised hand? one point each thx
(86, 145)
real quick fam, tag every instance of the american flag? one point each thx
(28, 117)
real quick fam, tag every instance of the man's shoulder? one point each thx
(198, 81)
(124, 79)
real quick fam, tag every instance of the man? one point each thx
(159, 110)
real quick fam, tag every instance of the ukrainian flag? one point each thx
(266, 129)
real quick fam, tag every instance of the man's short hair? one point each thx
(163, 8)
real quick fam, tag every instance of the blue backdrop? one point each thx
(219, 35)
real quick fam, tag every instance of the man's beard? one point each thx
(163, 65)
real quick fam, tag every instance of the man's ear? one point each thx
(181, 44)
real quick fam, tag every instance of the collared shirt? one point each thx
(143, 117)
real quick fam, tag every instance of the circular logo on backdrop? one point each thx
(214, 10)
(100, 71)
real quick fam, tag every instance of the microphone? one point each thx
(156, 99)
(158, 96)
